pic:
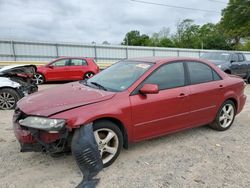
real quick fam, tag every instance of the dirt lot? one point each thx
(199, 157)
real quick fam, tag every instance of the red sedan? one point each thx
(130, 101)
(65, 69)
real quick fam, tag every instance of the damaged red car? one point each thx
(133, 100)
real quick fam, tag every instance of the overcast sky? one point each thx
(96, 20)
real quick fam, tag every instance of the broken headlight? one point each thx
(43, 123)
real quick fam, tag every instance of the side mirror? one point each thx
(50, 66)
(149, 89)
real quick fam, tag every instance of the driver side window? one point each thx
(61, 63)
(168, 76)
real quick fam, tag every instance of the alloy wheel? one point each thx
(226, 115)
(107, 142)
(7, 101)
(88, 75)
(39, 78)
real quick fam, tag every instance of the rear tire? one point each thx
(8, 99)
(109, 140)
(225, 116)
(88, 75)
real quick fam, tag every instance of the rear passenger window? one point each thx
(78, 62)
(216, 76)
(241, 58)
(199, 72)
(168, 76)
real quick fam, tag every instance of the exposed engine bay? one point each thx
(16, 81)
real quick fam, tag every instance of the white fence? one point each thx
(46, 51)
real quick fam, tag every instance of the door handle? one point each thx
(221, 86)
(182, 95)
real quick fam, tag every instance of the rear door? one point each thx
(243, 67)
(78, 68)
(167, 111)
(235, 65)
(206, 93)
(58, 70)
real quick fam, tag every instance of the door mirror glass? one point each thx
(149, 89)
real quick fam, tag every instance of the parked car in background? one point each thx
(230, 62)
(16, 81)
(132, 100)
(66, 69)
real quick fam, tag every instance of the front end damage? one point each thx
(20, 77)
(52, 136)
(33, 138)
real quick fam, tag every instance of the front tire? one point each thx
(8, 99)
(109, 139)
(39, 78)
(225, 116)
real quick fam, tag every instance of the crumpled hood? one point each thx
(61, 98)
(18, 69)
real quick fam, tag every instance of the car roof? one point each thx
(163, 59)
(72, 57)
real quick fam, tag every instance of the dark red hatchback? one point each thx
(133, 100)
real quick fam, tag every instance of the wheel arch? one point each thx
(13, 88)
(120, 126)
(234, 101)
(38, 72)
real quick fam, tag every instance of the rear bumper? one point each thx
(242, 102)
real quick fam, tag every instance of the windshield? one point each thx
(119, 76)
(216, 56)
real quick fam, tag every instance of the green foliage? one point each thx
(245, 46)
(134, 38)
(228, 34)
(235, 21)
(213, 38)
(187, 35)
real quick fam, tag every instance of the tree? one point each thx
(235, 21)
(134, 38)
(212, 38)
(105, 42)
(245, 46)
(187, 35)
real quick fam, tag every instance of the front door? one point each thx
(167, 111)
(58, 70)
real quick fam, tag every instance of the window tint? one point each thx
(241, 58)
(234, 58)
(78, 62)
(199, 72)
(216, 76)
(168, 76)
(61, 63)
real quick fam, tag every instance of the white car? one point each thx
(16, 81)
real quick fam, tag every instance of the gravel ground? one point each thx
(199, 157)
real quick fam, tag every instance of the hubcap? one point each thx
(7, 101)
(107, 142)
(226, 115)
(89, 75)
(39, 78)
